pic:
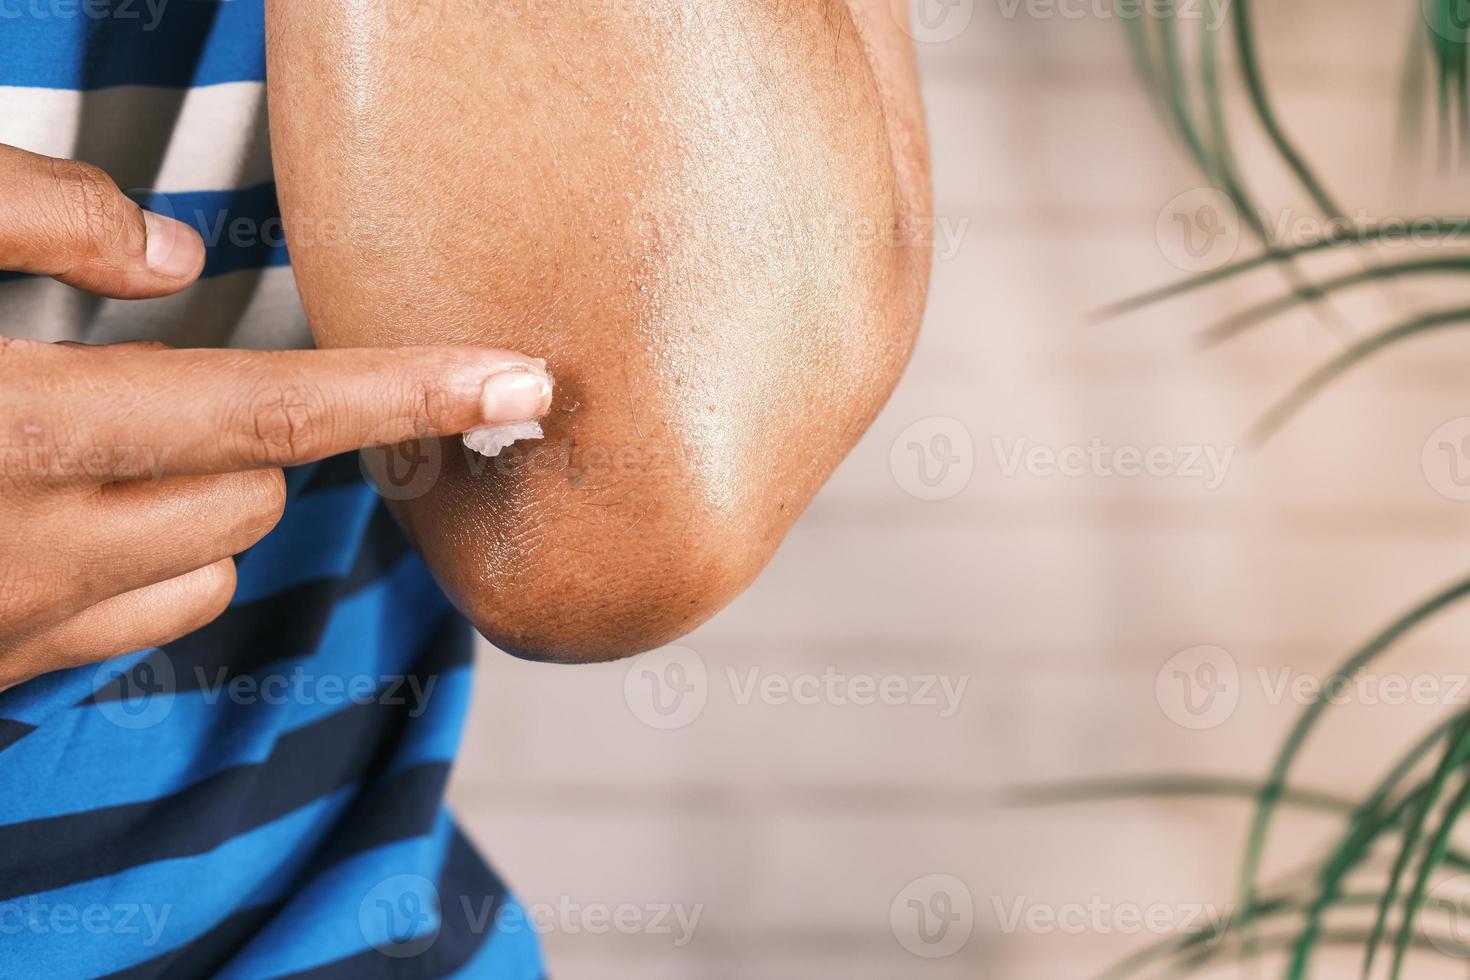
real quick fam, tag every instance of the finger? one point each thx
(182, 523)
(147, 617)
(68, 220)
(188, 522)
(211, 411)
(142, 532)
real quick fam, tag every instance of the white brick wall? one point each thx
(795, 827)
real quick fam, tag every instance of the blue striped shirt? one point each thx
(264, 797)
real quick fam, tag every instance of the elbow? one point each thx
(577, 601)
(673, 467)
(721, 335)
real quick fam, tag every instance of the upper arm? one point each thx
(698, 214)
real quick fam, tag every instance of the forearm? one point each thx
(694, 213)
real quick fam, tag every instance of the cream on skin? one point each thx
(493, 440)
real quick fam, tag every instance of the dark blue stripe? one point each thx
(344, 470)
(306, 765)
(403, 806)
(320, 537)
(249, 637)
(12, 732)
(244, 723)
(90, 44)
(208, 954)
(379, 550)
(241, 228)
(467, 887)
(38, 700)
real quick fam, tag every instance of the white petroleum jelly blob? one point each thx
(493, 440)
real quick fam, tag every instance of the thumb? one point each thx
(68, 220)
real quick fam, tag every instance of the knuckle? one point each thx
(436, 408)
(91, 203)
(279, 425)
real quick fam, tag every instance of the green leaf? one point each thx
(1433, 857)
(1250, 69)
(1298, 397)
(1453, 759)
(1238, 323)
(1275, 784)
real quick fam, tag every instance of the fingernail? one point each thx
(516, 396)
(174, 250)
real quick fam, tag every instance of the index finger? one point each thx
(213, 411)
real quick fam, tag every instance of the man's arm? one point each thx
(700, 214)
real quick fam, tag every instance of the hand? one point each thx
(130, 474)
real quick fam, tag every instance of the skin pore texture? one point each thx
(704, 216)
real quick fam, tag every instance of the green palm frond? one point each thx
(1441, 40)
(1410, 818)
